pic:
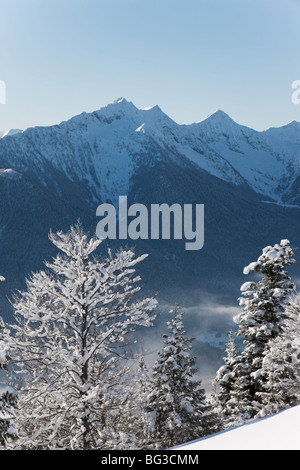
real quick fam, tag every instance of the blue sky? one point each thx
(61, 57)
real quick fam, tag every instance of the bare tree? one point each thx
(71, 324)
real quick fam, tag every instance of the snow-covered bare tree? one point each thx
(177, 402)
(70, 327)
(263, 316)
(8, 396)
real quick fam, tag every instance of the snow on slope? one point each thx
(106, 146)
(268, 161)
(262, 159)
(10, 132)
(276, 432)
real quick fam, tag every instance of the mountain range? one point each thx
(106, 147)
(248, 181)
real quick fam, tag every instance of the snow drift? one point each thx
(276, 432)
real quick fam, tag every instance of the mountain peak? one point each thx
(219, 123)
(294, 124)
(10, 132)
(120, 103)
(120, 100)
(119, 106)
(288, 133)
(290, 125)
(218, 114)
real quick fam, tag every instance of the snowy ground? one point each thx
(277, 432)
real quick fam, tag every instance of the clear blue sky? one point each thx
(61, 57)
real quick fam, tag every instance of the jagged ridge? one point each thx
(105, 147)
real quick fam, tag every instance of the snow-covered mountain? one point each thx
(268, 161)
(107, 146)
(10, 132)
(248, 181)
(52, 176)
(276, 432)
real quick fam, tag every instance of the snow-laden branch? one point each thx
(69, 321)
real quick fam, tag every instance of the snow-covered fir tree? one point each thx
(177, 402)
(70, 327)
(8, 397)
(143, 389)
(281, 364)
(143, 380)
(136, 417)
(225, 400)
(262, 319)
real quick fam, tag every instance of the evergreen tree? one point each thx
(143, 380)
(227, 402)
(281, 364)
(262, 318)
(135, 415)
(70, 327)
(224, 380)
(177, 401)
(144, 419)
